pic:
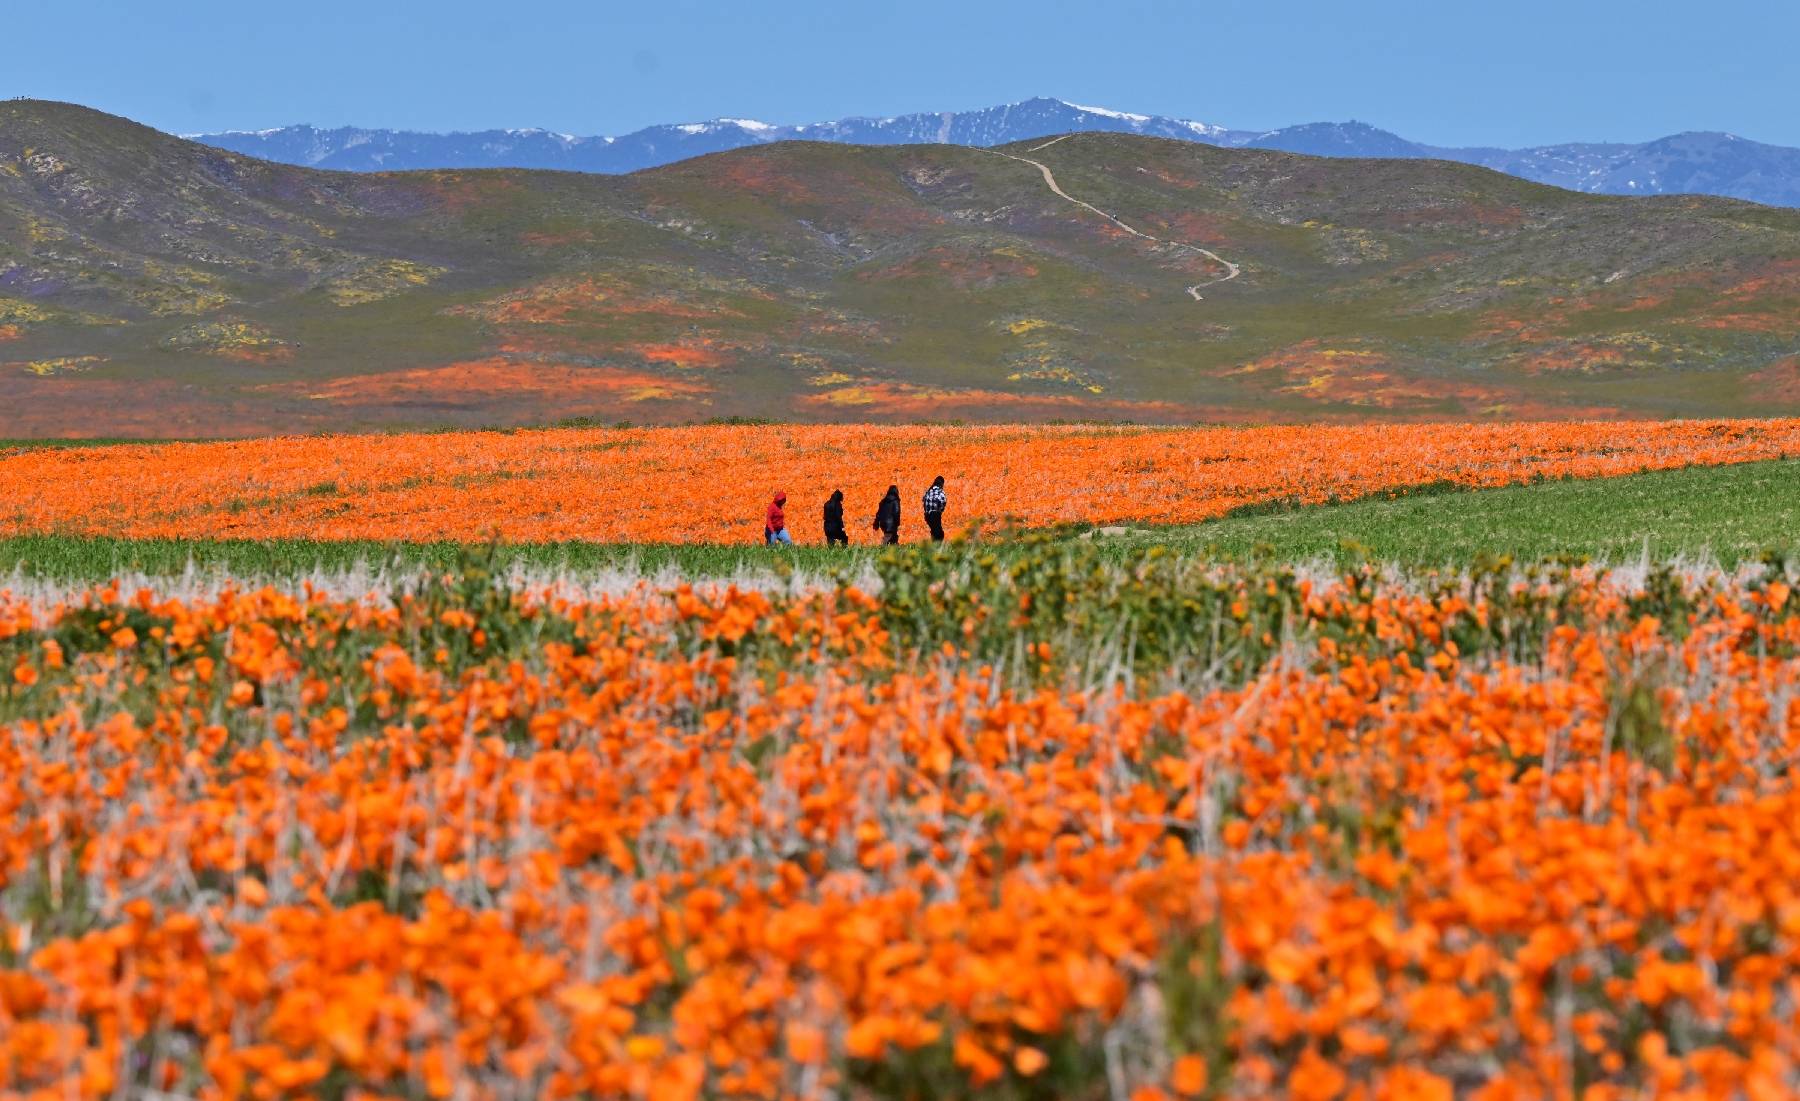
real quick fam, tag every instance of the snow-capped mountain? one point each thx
(1034, 118)
(1705, 163)
(363, 150)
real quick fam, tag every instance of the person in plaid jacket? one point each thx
(935, 503)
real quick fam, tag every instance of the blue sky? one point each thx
(1512, 72)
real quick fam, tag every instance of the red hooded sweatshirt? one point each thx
(777, 519)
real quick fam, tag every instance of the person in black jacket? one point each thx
(887, 516)
(835, 535)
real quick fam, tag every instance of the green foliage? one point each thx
(1044, 598)
(1050, 609)
(1196, 995)
(1636, 722)
(1734, 513)
(464, 615)
(98, 558)
(1280, 506)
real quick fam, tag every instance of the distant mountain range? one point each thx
(1691, 163)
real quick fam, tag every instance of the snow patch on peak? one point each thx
(269, 133)
(1104, 112)
(714, 126)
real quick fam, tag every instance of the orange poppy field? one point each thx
(1017, 820)
(1061, 827)
(710, 484)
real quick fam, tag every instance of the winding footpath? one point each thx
(1232, 271)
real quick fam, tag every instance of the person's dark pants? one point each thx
(837, 538)
(935, 521)
(890, 536)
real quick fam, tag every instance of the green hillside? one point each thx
(151, 286)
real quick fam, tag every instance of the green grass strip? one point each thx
(1732, 512)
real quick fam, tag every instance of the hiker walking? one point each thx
(775, 523)
(835, 535)
(934, 509)
(887, 516)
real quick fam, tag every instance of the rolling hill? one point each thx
(151, 286)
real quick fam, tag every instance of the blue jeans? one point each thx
(770, 538)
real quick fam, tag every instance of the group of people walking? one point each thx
(887, 517)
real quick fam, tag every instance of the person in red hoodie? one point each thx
(775, 523)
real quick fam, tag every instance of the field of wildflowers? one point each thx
(1053, 825)
(709, 484)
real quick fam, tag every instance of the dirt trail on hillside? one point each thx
(1232, 271)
